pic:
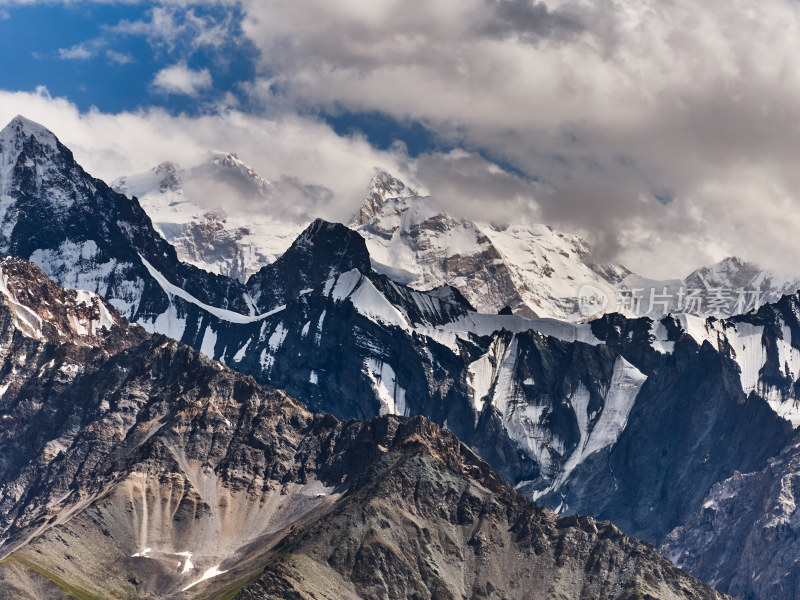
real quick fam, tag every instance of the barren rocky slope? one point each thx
(428, 519)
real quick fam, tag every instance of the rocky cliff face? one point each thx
(134, 467)
(428, 520)
(578, 416)
(321, 251)
(744, 538)
(383, 187)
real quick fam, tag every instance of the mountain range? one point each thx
(135, 457)
(530, 268)
(632, 419)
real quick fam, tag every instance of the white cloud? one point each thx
(91, 49)
(77, 52)
(606, 103)
(162, 28)
(292, 151)
(180, 79)
(119, 58)
(603, 103)
(172, 24)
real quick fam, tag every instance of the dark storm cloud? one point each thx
(531, 21)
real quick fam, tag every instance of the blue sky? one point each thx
(99, 55)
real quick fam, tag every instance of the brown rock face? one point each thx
(429, 520)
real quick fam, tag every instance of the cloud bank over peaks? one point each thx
(663, 132)
(614, 106)
(303, 157)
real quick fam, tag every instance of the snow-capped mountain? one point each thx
(527, 267)
(88, 237)
(530, 268)
(134, 467)
(618, 417)
(236, 236)
(730, 287)
(537, 271)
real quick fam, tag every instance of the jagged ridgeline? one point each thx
(631, 420)
(135, 467)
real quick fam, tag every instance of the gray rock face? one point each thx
(208, 242)
(745, 538)
(321, 252)
(383, 187)
(134, 467)
(608, 425)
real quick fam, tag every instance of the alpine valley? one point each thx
(162, 455)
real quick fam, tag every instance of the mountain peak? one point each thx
(232, 161)
(382, 187)
(729, 263)
(171, 177)
(389, 185)
(25, 143)
(734, 273)
(321, 252)
(21, 127)
(338, 240)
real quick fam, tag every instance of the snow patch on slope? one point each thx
(549, 266)
(79, 266)
(209, 342)
(384, 381)
(209, 574)
(28, 322)
(625, 384)
(224, 315)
